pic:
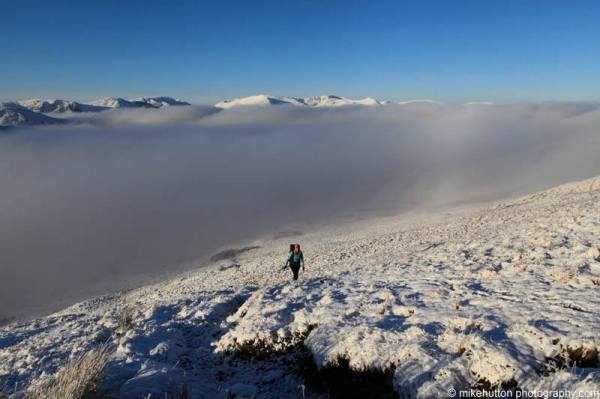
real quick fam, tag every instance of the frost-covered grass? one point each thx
(498, 297)
(79, 376)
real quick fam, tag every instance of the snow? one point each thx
(494, 296)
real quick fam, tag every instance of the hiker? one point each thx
(295, 260)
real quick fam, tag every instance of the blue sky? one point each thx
(507, 50)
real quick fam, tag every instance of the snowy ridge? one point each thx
(504, 296)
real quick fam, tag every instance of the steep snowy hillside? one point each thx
(14, 114)
(419, 306)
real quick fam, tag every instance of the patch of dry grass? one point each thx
(125, 320)
(80, 375)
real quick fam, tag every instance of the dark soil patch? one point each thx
(231, 253)
(231, 266)
(584, 358)
(335, 381)
(341, 382)
(574, 357)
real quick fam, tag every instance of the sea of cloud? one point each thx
(113, 197)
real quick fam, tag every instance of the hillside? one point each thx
(505, 296)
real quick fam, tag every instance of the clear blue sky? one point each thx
(204, 51)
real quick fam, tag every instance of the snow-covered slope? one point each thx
(14, 114)
(262, 100)
(505, 296)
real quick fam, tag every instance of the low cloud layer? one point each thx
(126, 193)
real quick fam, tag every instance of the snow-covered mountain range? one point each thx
(44, 111)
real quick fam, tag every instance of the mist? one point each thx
(113, 198)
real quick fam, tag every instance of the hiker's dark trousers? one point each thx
(295, 269)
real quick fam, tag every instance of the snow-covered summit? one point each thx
(14, 114)
(259, 100)
(262, 100)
